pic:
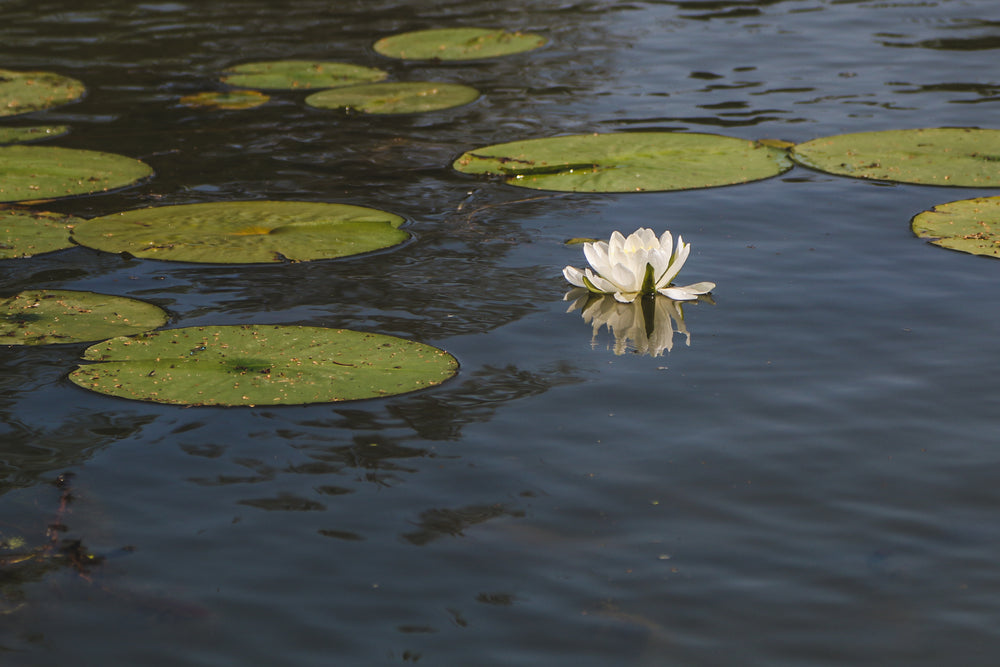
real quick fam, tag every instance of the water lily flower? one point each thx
(634, 266)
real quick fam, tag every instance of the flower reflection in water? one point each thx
(645, 326)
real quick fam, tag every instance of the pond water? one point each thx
(809, 482)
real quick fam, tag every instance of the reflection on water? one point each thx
(644, 326)
(811, 484)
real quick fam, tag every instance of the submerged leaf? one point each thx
(261, 365)
(244, 232)
(389, 98)
(22, 135)
(457, 44)
(969, 225)
(626, 162)
(46, 172)
(230, 100)
(25, 233)
(951, 156)
(23, 92)
(299, 74)
(41, 317)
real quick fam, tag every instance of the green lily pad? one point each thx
(261, 365)
(951, 156)
(969, 225)
(230, 99)
(457, 44)
(626, 162)
(24, 92)
(22, 135)
(300, 74)
(46, 172)
(42, 317)
(28, 233)
(247, 232)
(388, 98)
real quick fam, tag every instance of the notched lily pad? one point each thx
(47, 172)
(24, 92)
(300, 74)
(626, 162)
(390, 98)
(969, 225)
(23, 135)
(42, 317)
(229, 100)
(950, 156)
(261, 365)
(457, 44)
(26, 233)
(244, 232)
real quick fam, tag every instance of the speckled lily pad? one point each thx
(390, 98)
(23, 135)
(41, 317)
(969, 225)
(261, 365)
(47, 172)
(24, 92)
(229, 100)
(950, 156)
(626, 162)
(300, 74)
(26, 233)
(457, 44)
(244, 232)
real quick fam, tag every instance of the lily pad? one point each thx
(389, 98)
(22, 135)
(24, 92)
(28, 233)
(457, 44)
(230, 100)
(626, 162)
(41, 317)
(247, 232)
(950, 156)
(46, 172)
(299, 74)
(969, 225)
(261, 365)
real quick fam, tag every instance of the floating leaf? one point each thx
(231, 99)
(969, 225)
(961, 157)
(46, 172)
(626, 162)
(261, 365)
(27, 233)
(296, 74)
(41, 317)
(22, 135)
(23, 92)
(388, 98)
(457, 44)
(244, 232)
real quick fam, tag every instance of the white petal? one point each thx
(625, 277)
(699, 288)
(600, 283)
(626, 297)
(677, 293)
(574, 276)
(666, 243)
(597, 256)
(676, 262)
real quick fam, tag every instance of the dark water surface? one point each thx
(813, 481)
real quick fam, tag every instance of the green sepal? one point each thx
(648, 281)
(590, 286)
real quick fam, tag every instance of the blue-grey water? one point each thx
(812, 481)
